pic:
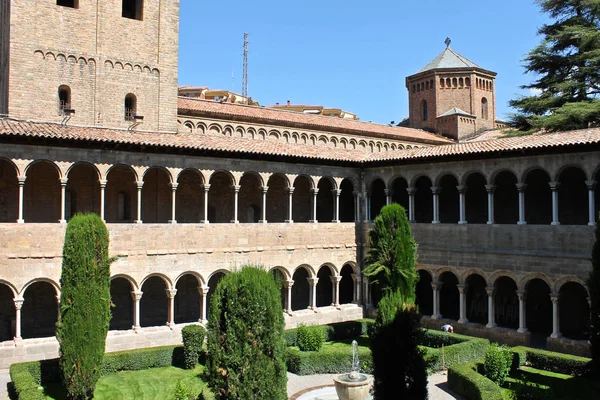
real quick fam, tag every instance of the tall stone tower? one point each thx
(109, 63)
(452, 96)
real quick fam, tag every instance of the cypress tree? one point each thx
(567, 64)
(245, 344)
(594, 287)
(84, 304)
(390, 260)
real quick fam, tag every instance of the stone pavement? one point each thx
(4, 379)
(438, 386)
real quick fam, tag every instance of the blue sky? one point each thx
(351, 54)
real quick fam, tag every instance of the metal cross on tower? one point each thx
(448, 41)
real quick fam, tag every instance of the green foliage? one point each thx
(84, 304)
(436, 338)
(457, 353)
(333, 358)
(525, 390)
(387, 310)
(567, 67)
(30, 376)
(553, 362)
(593, 284)
(193, 338)
(336, 331)
(465, 380)
(498, 361)
(310, 338)
(246, 348)
(184, 392)
(391, 257)
(398, 366)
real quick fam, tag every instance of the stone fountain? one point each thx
(353, 385)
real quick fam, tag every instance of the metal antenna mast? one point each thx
(245, 75)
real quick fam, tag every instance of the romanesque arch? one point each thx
(213, 282)
(301, 289)
(221, 198)
(573, 197)
(156, 196)
(9, 192)
(190, 197)
(188, 301)
(347, 201)
(506, 303)
(324, 286)
(302, 199)
(378, 197)
(40, 310)
(346, 285)
(448, 199)
(122, 297)
(250, 198)
(279, 277)
(154, 305)
(449, 296)
(277, 198)
(83, 190)
(7, 313)
(538, 197)
(538, 307)
(399, 193)
(477, 299)
(121, 195)
(476, 198)
(423, 200)
(325, 204)
(506, 198)
(41, 200)
(574, 311)
(424, 293)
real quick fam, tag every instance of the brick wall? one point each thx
(4, 51)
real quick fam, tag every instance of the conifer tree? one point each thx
(390, 260)
(567, 69)
(594, 286)
(84, 304)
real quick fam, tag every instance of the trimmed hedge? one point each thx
(551, 361)
(465, 380)
(436, 339)
(28, 377)
(310, 338)
(338, 331)
(331, 359)
(466, 349)
(193, 339)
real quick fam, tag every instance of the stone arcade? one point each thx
(191, 189)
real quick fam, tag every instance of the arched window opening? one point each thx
(133, 9)
(427, 85)
(68, 3)
(538, 198)
(506, 198)
(476, 199)
(431, 84)
(300, 289)
(449, 296)
(346, 285)
(378, 199)
(484, 108)
(468, 82)
(399, 193)
(442, 83)
(187, 300)
(324, 287)
(64, 100)
(461, 82)
(425, 111)
(506, 303)
(154, 305)
(7, 314)
(414, 88)
(130, 107)
(347, 201)
(477, 299)
(538, 308)
(423, 200)
(123, 209)
(454, 82)
(574, 311)
(424, 293)
(573, 205)
(448, 200)
(122, 311)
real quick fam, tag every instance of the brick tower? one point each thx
(452, 96)
(109, 63)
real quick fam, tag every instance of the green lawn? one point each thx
(155, 383)
(564, 387)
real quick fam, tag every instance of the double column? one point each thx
(435, 190)
(335, 280)
(313, 293)
(462, 190)
(521, 187)
(206, 187)
(288, 299)
(555, 317)
(263, 218)
(591, 185)
(490, 197)
(290, 219)
(315, 192)
(491, 318)
(522, 309)
(436, 286)
(462, 304)
(203, 291)
(21, 183)
(140, 185)
(411, 203)
(18, 305)
(336, 205)
(63, 195)
(554, 186)
(171, 295)
(173, 219)
(236, 192)
(137, 297)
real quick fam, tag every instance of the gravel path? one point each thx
(438, 386)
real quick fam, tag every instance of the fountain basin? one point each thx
(352, 389)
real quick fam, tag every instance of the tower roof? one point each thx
(449, 59)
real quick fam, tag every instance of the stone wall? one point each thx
(4, 51)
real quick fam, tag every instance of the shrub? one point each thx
(470, 384)
(246, 349)
(337, 331)
(523, 389)
(455, 354)
(183, 392)
(436, 339)
(331, 359)
(84, 304)
(498, 361)
(397, 356)
(193, 338)
(391, 257)
(553, 362)
(309, 338)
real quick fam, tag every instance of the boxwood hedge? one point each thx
(465, 380)
(551, 361)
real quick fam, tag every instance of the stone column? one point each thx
(367, 212)
(313, 293)
(356, 206)
(435, 190)
(173, 201)
(18, 305)
(288, 285)
(139, 185)
(263, 219)
(366, 292)
(290, 219)
(491, 318)
(490, 196)
(521, 188)
(555, 317)
(236, 192)
(554, 186)
(462, 190)
(137, 296)
(63, 190)
(436, 286)
(103, 183)
(591, 202)
(411, 203)
(314, 192)
(522, 308)
(463, 309)
(356, 289)
(336, 205)
(21, 183)
(203, 290)
(388, 197)
(171, 295)
(206, 190)
(336, 289)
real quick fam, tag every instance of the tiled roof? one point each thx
(183, 141)
(449, 59)
(308, 121)
(503, 145)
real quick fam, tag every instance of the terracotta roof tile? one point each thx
(529, 142)
(319, 122)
